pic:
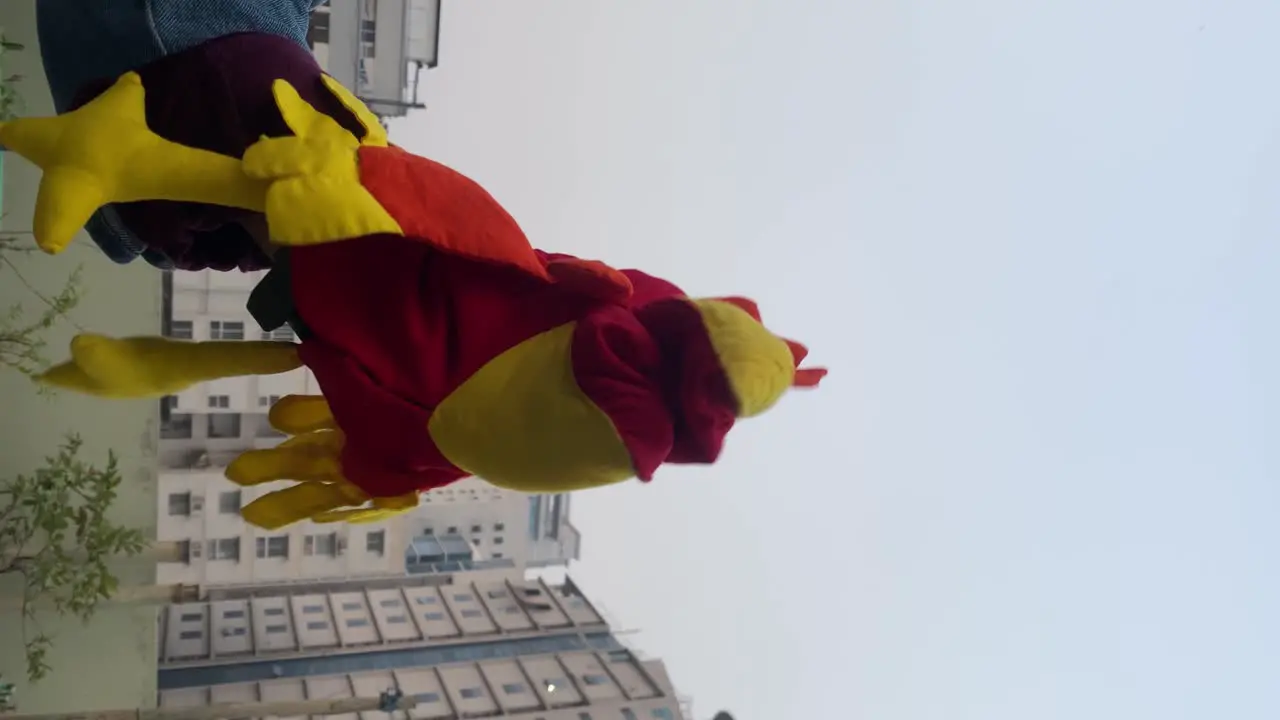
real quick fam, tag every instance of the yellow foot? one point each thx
(152, 366)
(104, 152)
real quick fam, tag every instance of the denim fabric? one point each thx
(84, 40)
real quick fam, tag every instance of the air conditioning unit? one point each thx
(195, 550)
(340, 546)
(197, 504)
(197, 459)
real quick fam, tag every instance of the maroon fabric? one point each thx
(217, 96)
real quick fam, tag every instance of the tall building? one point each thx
(482, 643)
(378, 48)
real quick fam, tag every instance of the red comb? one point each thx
(809, 377)
(798, 352)
(749, 306)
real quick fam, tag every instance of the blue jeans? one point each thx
(85, 40)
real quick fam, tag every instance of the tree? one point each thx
(22, 341)
(55, 535)
(22, 334)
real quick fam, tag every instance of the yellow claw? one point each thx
(298, 414)
(300, 502)
(312, 457)
(104, 152)
(140, 367)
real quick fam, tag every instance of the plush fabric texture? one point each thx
(92, 42)
(233, 109)
(445, 347)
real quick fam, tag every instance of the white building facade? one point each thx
(475, 644)
(378, 48)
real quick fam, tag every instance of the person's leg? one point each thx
(87, 41)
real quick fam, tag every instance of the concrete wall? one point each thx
(112, 662)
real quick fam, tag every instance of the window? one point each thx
(284, 333)
(497, 594)
(169, 403)
(368, 31)
(229, 502)
(389, 603)
(499, 527)
(432, 616)
(349, 606)
(553, 684)
(357, 622)
(190, 635)
(273, 611)
(191, 617)
(318, 30)
(513, 688)
(181, 330)
(262, 427)
(463, 597)
(179, 503)
(233, 632)
(471, 693)
(428, 531)
(273, 547)
(223, 425)
(268, 400)
(225, 330)
(277, 629)
(425, 600)
(232, 614)
(628, 714)
(397, 619)
(497, 556)
(470, 613)
(179, 426)
(662, 714)
(594, 679)
(498, 540)
(325, 544)
(317, 625)
(312, 609)
(219, 401)
(376, 542)
(224, 549)
(584, 716)
(511, 610)
(427, 697)
(476, 541)
(453, 530)
(476, 529)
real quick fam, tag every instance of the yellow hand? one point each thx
(104, 152)
(315, 194)
(381, 509)
(312, 458)
(152, 366)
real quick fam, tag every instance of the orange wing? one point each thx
(445, 208)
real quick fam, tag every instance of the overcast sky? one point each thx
(1037, 245)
